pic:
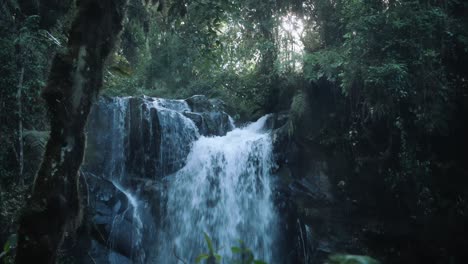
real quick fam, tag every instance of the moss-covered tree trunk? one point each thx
(74, 83)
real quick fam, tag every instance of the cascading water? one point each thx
(116, 167)
(132, 211)
(114, 170)
(224, 190)
(220, 185)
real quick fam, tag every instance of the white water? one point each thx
(217, 185)
(115, 171)
(115, 168)
(136, 221)
(224, 190)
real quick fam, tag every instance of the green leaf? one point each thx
(236, 250)
(209, 242)
(201, 257)
(121, 66)
(10, 243)
(250, 256)
(351, 259)
(6, 247)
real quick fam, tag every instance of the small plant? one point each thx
(246, 255)
(8, 248)
(351, 259)
(211, 257)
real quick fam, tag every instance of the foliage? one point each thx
(351, 259)
(299, 108)
(24, 46)
(8, 248)
(211, 257)
(245, 255)
(12, 201)
(326, 63)
(393, 70)
(225, 49)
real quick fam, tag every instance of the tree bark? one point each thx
(75, 79)
(20, 127)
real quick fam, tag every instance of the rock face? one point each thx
(113, 222)
(209, 115)
(317, 216)
(306, 199)
(136, 142)
(153, 135)
(200, 103)
(133, 143)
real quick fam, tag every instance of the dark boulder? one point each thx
(201, 103)
(317, 221)
(113, 218)
(209, 115)
(120, 222)
(277, 120)
(211, 123)
(144, 139)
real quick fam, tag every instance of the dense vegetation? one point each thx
(396, 72)
(380, 87)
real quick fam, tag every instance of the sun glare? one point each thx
(293, 26)
(291, 46)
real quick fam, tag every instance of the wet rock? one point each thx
(201, 103)
(99, 145)
(143, 130)
(314, 192)
(101, 254)
(208, 115)
(136, 142)
(211, 123)
(277, 120)
(216, 123)
(130, 127)
(316, 220)
(152, 135)
(111, 216)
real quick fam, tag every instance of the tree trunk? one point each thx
(75, 79)
(20, 127)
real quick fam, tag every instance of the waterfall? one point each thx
(133, 212)
(116, 167)
(224, 190)
(171, 180)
